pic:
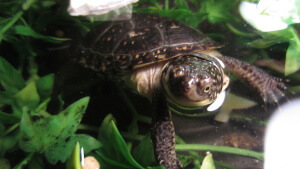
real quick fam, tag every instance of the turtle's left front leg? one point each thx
(163, 134)
(270, 88)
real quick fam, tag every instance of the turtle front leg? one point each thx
(163, 134)
(270, 88)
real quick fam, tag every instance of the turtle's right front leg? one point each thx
(163, 134)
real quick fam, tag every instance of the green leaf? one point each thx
(114, 152)
(144, 153)
(4, 163)
(271, 38)
(48, 4)
(208, 162)
(26, 5)
(8, 142)
(24, 162)
(219, 10)
(27, 31)
(87, 142)
(6, 97)
(37, 162)
(27, 97)
(182, 4)
(10, 78)
(44, 86)
(54, 135)
(74, 160)
(292, 62)
(6, 118)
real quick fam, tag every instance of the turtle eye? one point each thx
(206, 89)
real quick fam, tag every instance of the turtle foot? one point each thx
(271, 89)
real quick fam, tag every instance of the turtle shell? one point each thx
(144, 39)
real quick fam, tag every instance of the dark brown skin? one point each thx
(163, 133)
(270, 88)
(121, 47)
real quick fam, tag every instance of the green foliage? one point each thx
(144, 152)
(219, 11)
(74, 160)
(115, 154)
(194, 12)
(10, 78)
(27, 98)
(55, 135)
(27, 31)
(208, 162)
(40, 132)
(292, 63)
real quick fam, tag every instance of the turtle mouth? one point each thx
(184, 102)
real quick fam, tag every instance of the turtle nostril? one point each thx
(187, 89)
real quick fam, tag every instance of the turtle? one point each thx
(170, 63)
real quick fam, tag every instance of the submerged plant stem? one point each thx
(12, 128)
(238, 32)
(296, 37)
(11, 23)
(199, 159)
(87, 127)
(24, 162)
(133, 126)
(222, 149)
(135, 137)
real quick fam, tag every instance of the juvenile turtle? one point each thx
(168, 62)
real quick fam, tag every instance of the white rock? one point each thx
(271, 15)
(96, 7)
(282, 138)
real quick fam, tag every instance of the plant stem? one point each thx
(144, 119)
(133, 126)
(222, 149)
(12, 128)
(238, 32)
(167, 5)
(296, 37)
(11, 23)
(198, 158)
(88, 127)
(24, 162)
(136, 137)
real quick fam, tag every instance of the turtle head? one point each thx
(194, 80)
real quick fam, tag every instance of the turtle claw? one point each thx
(272, 90)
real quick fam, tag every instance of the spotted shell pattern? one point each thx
(144, 39)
